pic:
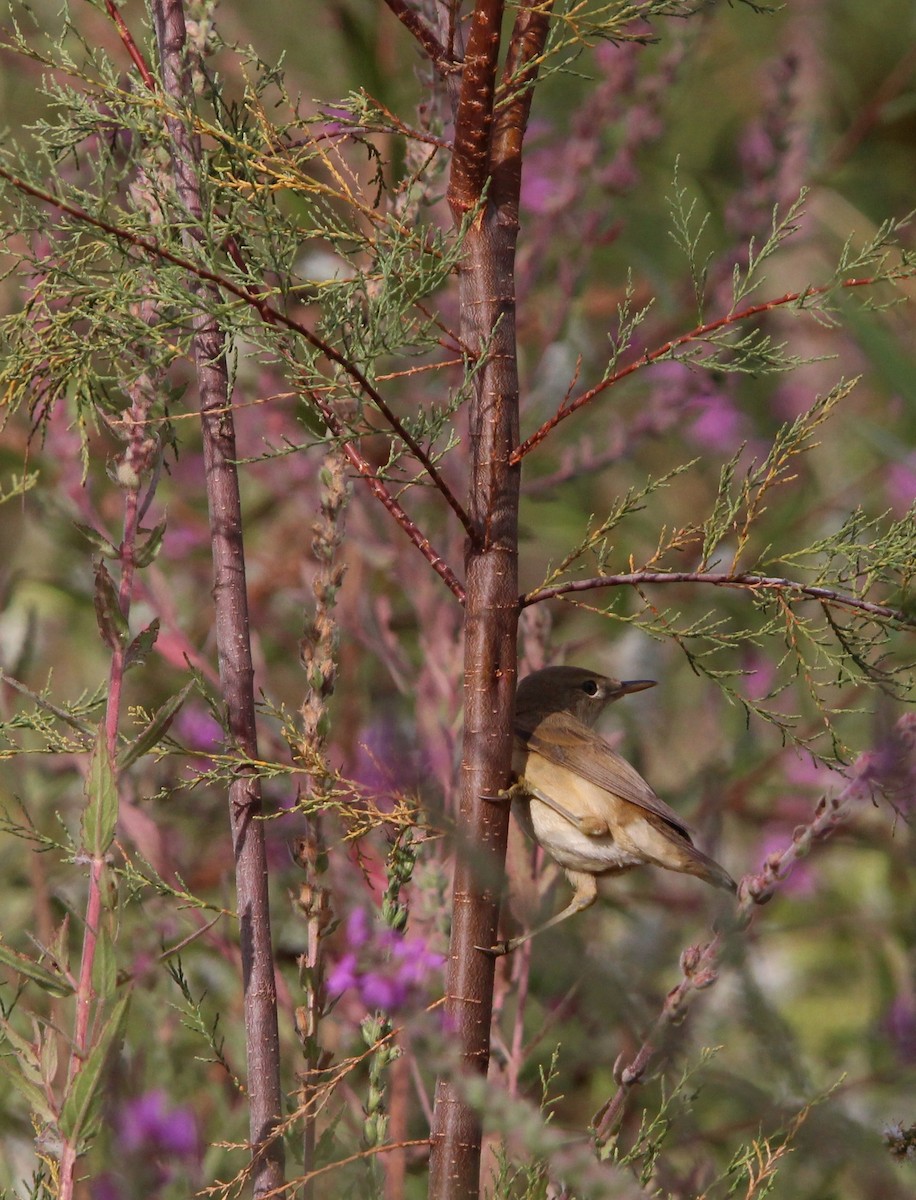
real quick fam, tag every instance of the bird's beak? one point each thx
(635, 685)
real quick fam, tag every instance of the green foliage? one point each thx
(765, 578)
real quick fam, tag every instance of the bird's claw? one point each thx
(496, 797)
(504, 795)
(497, 951)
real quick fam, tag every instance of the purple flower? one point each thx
(804, 771)
(547, 183)
(417, 961)
(343, 975)
(383, 762)
(900, 483)
(621, 175)
(385, 968)
(760, 676)
(104, 1187)
(719, 425)
(756, 149)
(358, 932)
(900, 1024)
(199, 729)
(380, 991)
(147, 1125)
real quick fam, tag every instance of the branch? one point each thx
(723, 579)
(273, 316)
(566, 409)
(270, 314)
(233, 639)
(699, 964)
(133, 50)
(424, 34)
(381, 493)
(40, 702)
(471, 162)
(488, 310)
(526, 47)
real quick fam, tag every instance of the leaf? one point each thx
(101, 813)
(104, 966)
(142, 645)
(59, 946)
(98, 540)
(84, 1094)
(155, 730)
(26, 1052)
(48, 1052)
(148, 550)
(111, 620)
(34, 1095)
(719, 523)
(48, 981)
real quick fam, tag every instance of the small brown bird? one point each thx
(589, 809)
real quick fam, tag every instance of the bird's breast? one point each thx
(614, 850)
(573, 849)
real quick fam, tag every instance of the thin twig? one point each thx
(424, 34)
(385, 498)
(131, 46)
(754, 583)
(697, 334)
(40, 702)
(232, 623)
(268, 313)
(360, 1156)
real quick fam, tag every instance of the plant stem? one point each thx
(232, 638)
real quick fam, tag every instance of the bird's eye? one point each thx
(590, 687)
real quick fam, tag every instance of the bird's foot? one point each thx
(497, 951)
(506, 796)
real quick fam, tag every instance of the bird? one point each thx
(586, 806)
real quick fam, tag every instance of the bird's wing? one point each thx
(564, 740)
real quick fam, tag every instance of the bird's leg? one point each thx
(590, 826)
(585, 893)
(507, 795)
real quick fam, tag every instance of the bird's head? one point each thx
(584, 694)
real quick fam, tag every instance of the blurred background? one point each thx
(737, 112)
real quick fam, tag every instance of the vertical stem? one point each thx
(133, 467)
(232, 636)
(491, 618)
(488, 145)
(84, 997)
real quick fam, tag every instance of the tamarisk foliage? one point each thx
(310, 406)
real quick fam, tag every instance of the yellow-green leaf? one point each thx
(101, 813)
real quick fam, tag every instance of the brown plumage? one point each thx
(589, 809)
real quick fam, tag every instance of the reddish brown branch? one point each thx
(267, 312)
(519, 76)
(566, 409)
(130, 45)
(471, 162)
(896, 81)
(424, 34)
(233, 642)
(272, 315)
(381, 493)
(752, 583)
(486, 154)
